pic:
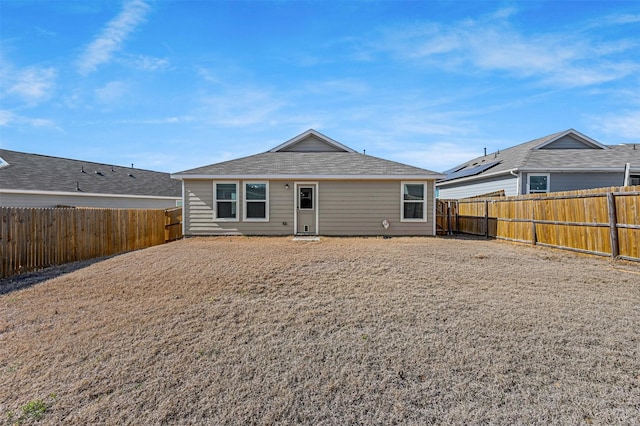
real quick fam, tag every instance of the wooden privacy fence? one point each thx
(173, 224)
(32, 238)
(604, 221)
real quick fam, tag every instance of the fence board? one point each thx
(173, 224)
(576, 220)
(32, 239)
(628, 213)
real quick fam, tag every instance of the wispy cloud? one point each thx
(32, 85)
(345, 87)
(492, 43)
(146, 63)
(617, 19)
(9, 118)
(111, 92)
(164, 120)
(242, 107)
(624, 126)
(6, 117)
(111, 38)
(438, 156)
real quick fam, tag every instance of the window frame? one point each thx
(216, 200)
(425, 192)
(245, 201)
(313, 198)
(547, 175)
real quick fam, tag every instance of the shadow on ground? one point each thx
(28, 279)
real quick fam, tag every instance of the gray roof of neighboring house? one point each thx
(35, 172)
(281, 162)
(530, 156)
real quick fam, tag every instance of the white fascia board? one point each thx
(576, 170)
(539, 170)
(84, 194)
(309, 177)
(476, 177)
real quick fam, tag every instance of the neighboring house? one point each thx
(309, 185)
(564, 161)
(33, 180)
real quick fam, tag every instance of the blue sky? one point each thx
(172, 85)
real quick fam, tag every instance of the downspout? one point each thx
(627, 171)
(184, 210)
(517, 175)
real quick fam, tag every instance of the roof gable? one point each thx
(311, 141)
(570, 139)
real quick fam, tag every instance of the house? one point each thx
(33, 180)
(308, 185)
(563, 161)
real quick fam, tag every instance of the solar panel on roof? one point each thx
(454, 169)
(471, 171)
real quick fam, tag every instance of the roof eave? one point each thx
(578, 170)
(87, 194)
(542, 170)
(476, 177)
(179, 176)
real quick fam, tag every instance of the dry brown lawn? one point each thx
(341, 331)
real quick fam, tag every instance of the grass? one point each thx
(341, 331)
(32, 411)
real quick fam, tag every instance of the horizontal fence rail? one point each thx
(603, 221)
(34, 238)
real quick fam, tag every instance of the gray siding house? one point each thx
(309, 185)
(33, 180)
(563, 161)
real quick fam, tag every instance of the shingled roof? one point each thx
(335, 161)
(35, 172)
(566, 151)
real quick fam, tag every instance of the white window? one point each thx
(414, 202)
(226, 201)
(538, 183)
(256, 201)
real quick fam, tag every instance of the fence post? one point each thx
(486, 218)
(449, 230)
(534, 231)
(613, 225)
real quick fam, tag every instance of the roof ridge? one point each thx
(79, 161)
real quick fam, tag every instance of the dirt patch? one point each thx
(340, 331)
